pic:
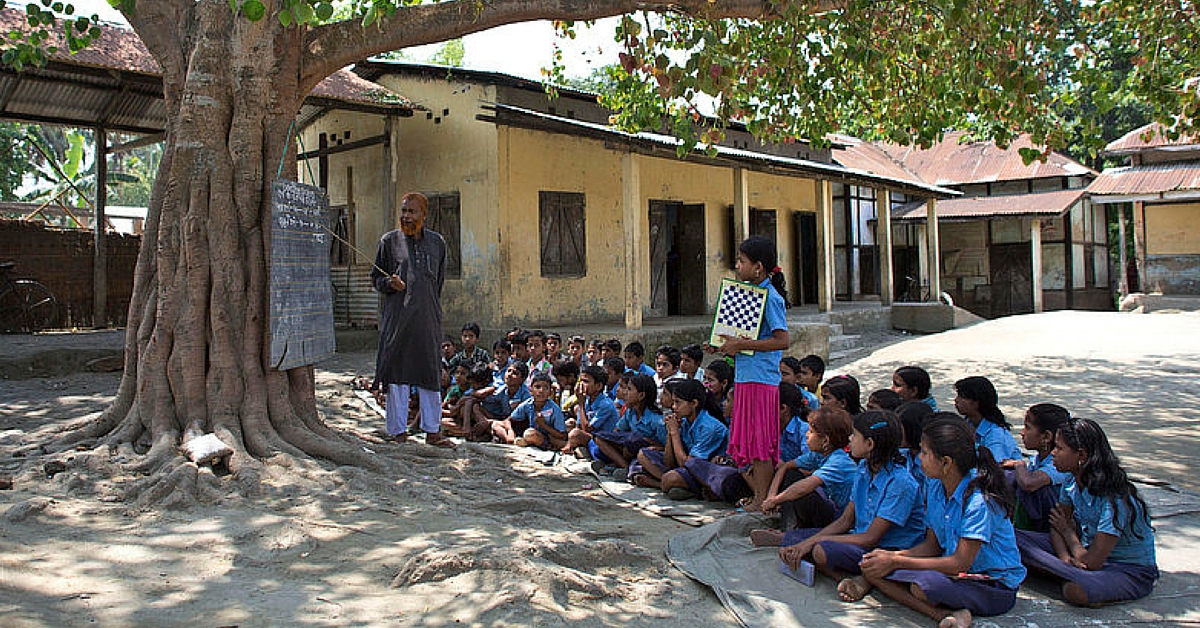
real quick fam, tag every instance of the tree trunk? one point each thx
(196, 344)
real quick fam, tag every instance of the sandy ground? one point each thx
(486, 537)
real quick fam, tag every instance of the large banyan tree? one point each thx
(236, 71)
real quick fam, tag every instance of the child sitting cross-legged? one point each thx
(691, 433)
(544, 425)
(884, 510)
(1036, 482)
(812, 490)
(490, 417)
(640, 426)
(594, 413)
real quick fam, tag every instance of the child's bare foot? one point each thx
(853, 589)
(437, 440)
(749, 505)
(960, 618)
(766, 538)
(1074, 594)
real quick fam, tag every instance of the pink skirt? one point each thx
(754, 430)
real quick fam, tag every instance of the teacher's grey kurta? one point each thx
(410, 328)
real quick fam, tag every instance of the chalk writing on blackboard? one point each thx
(301, 290)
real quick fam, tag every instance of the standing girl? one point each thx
(968, 563)
(977, 400)
(754, 428)
(1037, 482)
(1113, 560)
(883, 511)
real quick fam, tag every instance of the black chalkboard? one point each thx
(301, 289)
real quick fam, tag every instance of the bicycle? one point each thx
(914, 292)
(25, 305)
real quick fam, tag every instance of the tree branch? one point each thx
(333, 46)
(158, 24)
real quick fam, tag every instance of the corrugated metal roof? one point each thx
(821, 170)
(1039, 205)
(116, 81)
(1146, 137)
(1155, 179)
(852, 152)
(950, 163)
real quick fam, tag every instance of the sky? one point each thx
(518, 49)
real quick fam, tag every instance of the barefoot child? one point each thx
(594, 413)
(968, 563)
(547, 424)
(1036, 481)
(977, 401)
(1114, 559)
(640, 426)
(883, 509)
(493, 415)
(812, 490)
(754, 426)
(691, 433)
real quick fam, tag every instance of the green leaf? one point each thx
(253, 10)
(303, 12)
(324, 11)
(285, 17)
(74, 155)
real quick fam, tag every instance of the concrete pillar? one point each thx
(883, 239)
(100, 256)
(934, 250)
(1139, 243)
(1122, 262)
(826, 276)
(1035, 250)
(741, 206)
(631, 201)
(391, 213)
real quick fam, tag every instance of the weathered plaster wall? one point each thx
(1172, 247)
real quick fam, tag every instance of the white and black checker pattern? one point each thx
(740, 308)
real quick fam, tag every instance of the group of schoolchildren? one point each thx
(937, 510)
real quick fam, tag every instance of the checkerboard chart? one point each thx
(740, 308)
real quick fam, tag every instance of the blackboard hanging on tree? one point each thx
(301, 307)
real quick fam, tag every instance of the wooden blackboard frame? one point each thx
(301, 291)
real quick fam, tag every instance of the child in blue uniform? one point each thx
(547, 423)
(789, 373)
(913, 415)
(812, 490)
(594, 413)
(912, 383)
(842, 392)
(641, 425)
(977, 400)
(494, 414)
(883, 509)
(1113, 560)
(793, 435)
(1035, 481)
(691, 433)
(968, 563)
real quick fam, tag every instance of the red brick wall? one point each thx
(61, 259)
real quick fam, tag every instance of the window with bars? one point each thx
(563, 234)
(444, 218)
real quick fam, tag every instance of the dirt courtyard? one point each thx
(485, 536)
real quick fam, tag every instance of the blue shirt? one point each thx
(891, 495)
(836, 470)
(704, 436)
(1096, 515)
(602, 414)
(793, 442)
(550, 413)
(649, 425)
(1037, 463)
(811, 401)
(932, 403)
(972, 516)
(763, 366)
(999, 440)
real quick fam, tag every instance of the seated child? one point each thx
(718, 379)
(610, 349)
(554, 348)
(578, 352)
(547, 424)
(594, 414)
(457, 385)
(691, 433)
(968, 563)
(690, 357)
(566, 377)
(811, 490)
(912, 384)
(884, 399)
(459, 415)
(666, 365)
(490, 417)
(883, 511)
(640, 426)
(793, 429)
(501, 359)
(1114, 559)
(913, 415)
(634, 355)
(789, 372)
(812, 371)
(842, 392)
(977, 400)
(1036, 482)
(614, 369)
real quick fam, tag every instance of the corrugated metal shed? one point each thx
(1146, 137)
(852, 152)
(1157, 181)
(1038, 205)
(950, 163)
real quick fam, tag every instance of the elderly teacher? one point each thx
(410, 328)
